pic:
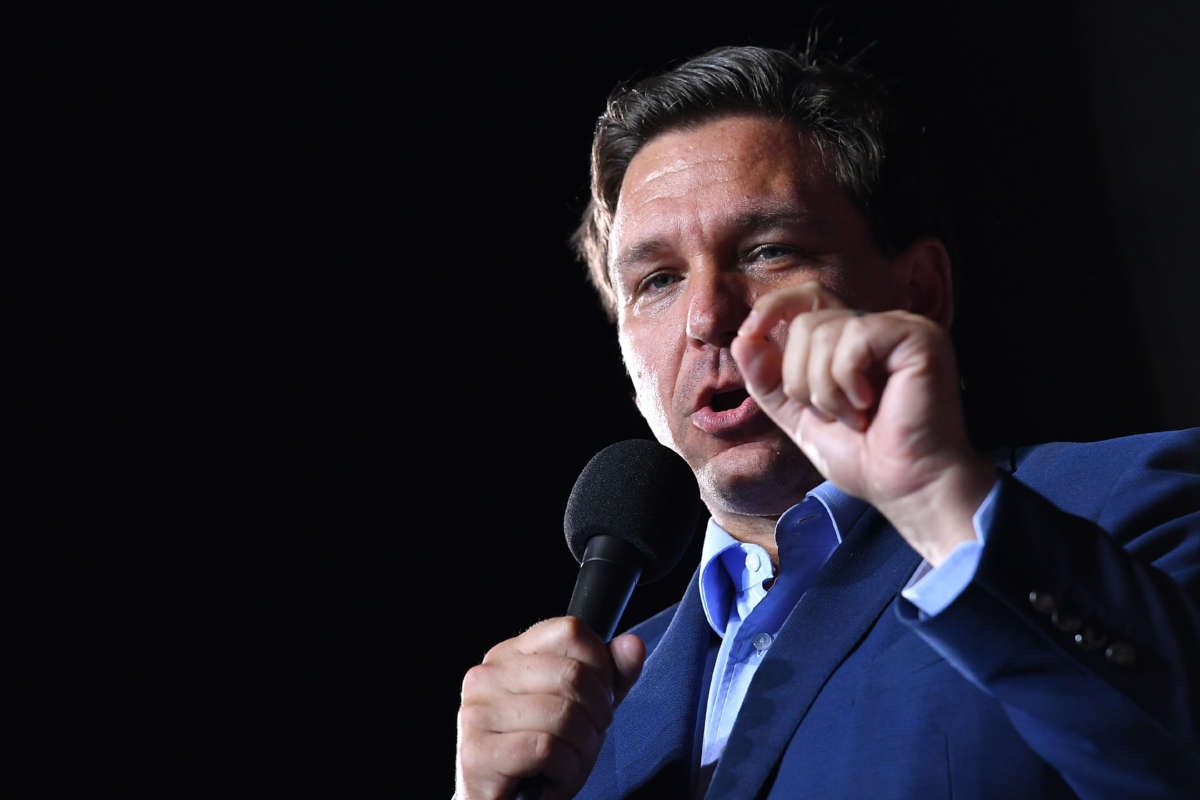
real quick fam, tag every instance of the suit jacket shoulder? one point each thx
(1088, 478)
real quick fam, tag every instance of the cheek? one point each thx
(651, 384)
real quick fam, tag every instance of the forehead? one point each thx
(693, 177)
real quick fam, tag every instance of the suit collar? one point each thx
(860, 580)
(658, 718)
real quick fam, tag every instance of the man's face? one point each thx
(710, 219)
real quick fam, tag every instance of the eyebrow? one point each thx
(750, 221)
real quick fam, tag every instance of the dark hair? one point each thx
(845, 112)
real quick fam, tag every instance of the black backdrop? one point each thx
(373, 369)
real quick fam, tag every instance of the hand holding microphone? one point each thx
(534, 713)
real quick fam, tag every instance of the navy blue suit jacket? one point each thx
(858, 697)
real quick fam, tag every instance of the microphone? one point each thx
(630, 516)
(629, 519)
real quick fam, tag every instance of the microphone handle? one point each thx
(609, 571)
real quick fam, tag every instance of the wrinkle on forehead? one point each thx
(681, 164)
(662, 187)
(717, 163)
(718, 168)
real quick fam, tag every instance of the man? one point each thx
(880, 610)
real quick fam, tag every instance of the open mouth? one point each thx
(731, 412)
(724, 401)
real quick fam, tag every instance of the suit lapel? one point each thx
(659, 713)
(860, 580)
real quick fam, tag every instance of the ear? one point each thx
(926, 286)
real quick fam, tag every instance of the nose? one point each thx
(717, 305)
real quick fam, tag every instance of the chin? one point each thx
(758, 478)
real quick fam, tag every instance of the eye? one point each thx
(770, 252)
(657, 281)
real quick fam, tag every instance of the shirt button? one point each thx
(753, 562)
(761, 642)
(1091, 638)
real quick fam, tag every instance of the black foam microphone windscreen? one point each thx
(630, 516)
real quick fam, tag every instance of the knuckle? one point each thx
(495, 653)
(564, 710)
(583, 641)
(927, 335)
(824, 335)
(475, 679)
(572, 720)
(856, 327)
(541, 747)
(845, 348)
(571, 674)
(472, 717)
(933, 332)
(825, 396)
(572, 628)
(799, 331)
(826, 405)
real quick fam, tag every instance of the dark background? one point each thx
(360, 369)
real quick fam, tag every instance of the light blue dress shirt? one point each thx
(746, 605)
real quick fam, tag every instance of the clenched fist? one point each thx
(872, 401)
(540, 704)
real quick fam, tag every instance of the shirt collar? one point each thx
(722, 555)
(843, 509)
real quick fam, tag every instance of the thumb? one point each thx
(628, 654)
(760, 359)
(761, 366)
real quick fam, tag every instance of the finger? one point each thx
(825, 392)
(562, 636)
(628, 655)
(544, 713)
(538, 734)
(503, 759)
(823, 395)
(807, 349)
(778, 379)
(828, 444)
(795, 361)
(785, 304)
(851, 363)
(577, 681)
(761, 366)
(540, 674)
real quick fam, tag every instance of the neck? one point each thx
(750, 529)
